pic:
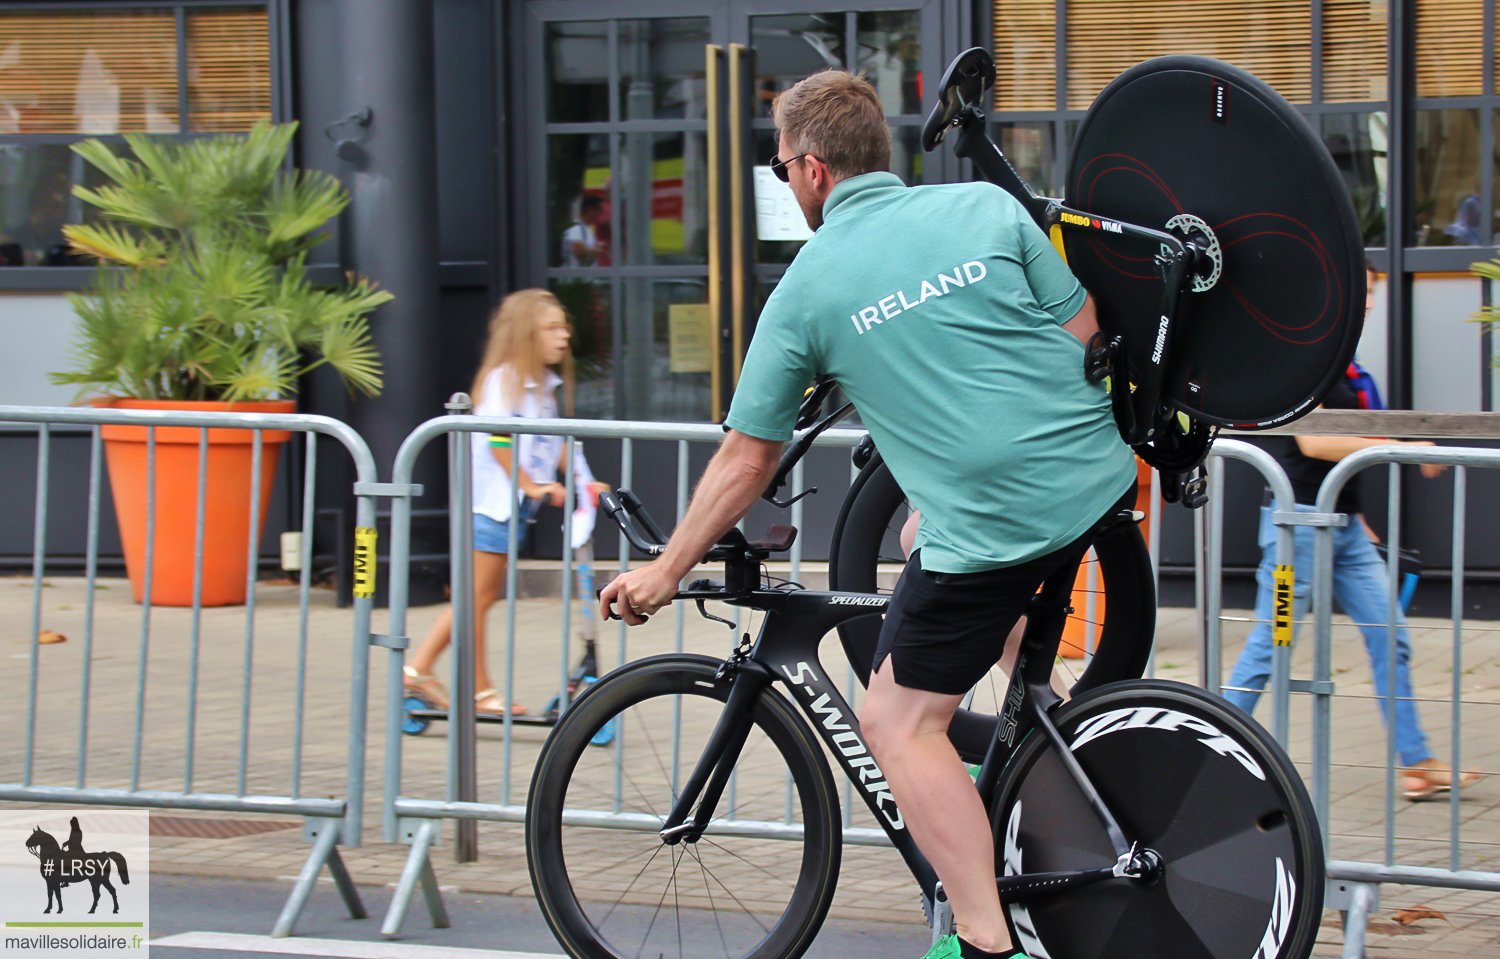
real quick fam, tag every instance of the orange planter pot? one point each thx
(1081, 634)
(228, 495)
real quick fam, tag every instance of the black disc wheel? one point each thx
(1203, 787)
(1193, 146)
(1114, 599)
(755, 885)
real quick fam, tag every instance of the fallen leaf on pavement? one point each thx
(48, 636)
(1408, 916)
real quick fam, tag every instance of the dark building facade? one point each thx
(614, 151)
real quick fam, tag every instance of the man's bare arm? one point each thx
(1085, 323)
(734, 479)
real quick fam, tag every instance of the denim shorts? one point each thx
(493, 536)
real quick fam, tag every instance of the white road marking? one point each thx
(336, 948)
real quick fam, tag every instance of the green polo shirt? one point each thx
(939, 311)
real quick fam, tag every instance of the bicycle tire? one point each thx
(1242, 854)
(1290, 295)
(577, 871)
(864, 537)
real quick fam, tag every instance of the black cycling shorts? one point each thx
(945, 630)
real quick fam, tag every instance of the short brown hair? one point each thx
(837, 117)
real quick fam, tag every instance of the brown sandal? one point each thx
(425, 685)
(489, 702)
(1429, 777)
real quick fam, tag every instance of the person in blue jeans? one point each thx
(1359, 585)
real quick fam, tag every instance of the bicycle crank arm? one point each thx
(1037, 884)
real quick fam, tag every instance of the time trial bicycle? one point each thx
(1138, 818)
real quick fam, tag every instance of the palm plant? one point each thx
(213, 302)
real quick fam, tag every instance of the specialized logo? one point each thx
(846, 740)
(858, 600)
(1155, 717)
(69, 863)
(1076, 219)
(1284, 578)
(1161, 341)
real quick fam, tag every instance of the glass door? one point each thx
(649, 209)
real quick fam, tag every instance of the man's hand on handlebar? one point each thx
(638, 594)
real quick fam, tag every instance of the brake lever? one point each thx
(788, 502)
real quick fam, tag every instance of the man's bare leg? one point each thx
(907, 731)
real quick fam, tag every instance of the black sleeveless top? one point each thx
(1305, 472)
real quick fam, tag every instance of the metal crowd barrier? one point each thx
(1353, 878)
(418, 820)
(244, 785)
(1359, 880)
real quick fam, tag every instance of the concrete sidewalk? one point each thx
(92, 741)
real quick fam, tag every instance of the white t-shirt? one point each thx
(579, 232)
(539, 456)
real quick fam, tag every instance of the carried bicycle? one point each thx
(1138, 818)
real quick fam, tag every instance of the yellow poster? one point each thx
(691, 331)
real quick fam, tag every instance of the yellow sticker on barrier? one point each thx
(364, 563)
(1281, 610)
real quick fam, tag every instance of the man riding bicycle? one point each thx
(956, 329)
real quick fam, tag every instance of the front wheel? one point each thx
(1198, 782)
(610, 887)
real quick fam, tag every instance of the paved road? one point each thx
(228, 919)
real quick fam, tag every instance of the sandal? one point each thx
(489, 702)
(1430, 777)
(425, 685)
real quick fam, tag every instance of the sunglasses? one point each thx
(778, 166)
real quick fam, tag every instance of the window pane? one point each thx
(229, 70)
(1446, 152)
(1357, 143)
(577, 72)
(907, 155)
(661, 362)
(1450, 48)
(1354, 50)
(578, 211)
(662, 68)
(773, 211)
(1028, 146)
(1025, 47)
(788, 48)
(88, 72)
(36, 183)
(588, 305)
(665, 178)
(890, 55)
(1270, 38)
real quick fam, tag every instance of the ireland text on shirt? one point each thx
(887, 307)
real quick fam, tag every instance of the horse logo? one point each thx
(65, 865)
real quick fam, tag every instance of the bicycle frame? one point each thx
(786, 651)
(1135, 411)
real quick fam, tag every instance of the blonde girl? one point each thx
(528, 336)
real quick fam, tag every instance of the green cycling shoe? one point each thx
(948, 947)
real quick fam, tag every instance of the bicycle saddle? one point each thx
(968, 77)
